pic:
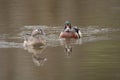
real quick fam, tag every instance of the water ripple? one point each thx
(90, 34)
(4, 44)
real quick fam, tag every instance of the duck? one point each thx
(70, 32)
(35, 39)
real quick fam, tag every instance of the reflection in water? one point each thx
(36, 55)
(68, 43)
(38, 61)
(68, 49)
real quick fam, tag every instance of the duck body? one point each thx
(35, 41)
(71, 33)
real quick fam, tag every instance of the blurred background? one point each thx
(55, 12)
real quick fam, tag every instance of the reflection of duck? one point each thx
(70, 32)
(38, 61)
(37, 58)
(35, 40)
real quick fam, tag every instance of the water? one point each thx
(94, 57)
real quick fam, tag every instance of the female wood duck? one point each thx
(70, 32)
(35, 40)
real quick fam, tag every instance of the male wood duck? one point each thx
(35, 40)
(70, 32)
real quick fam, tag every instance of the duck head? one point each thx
(67, 26)
(37, 32)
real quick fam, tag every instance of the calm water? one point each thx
(96, 56)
